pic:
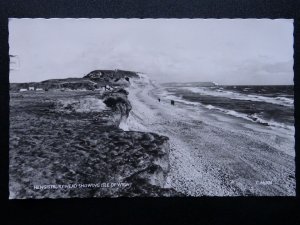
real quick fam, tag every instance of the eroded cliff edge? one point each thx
(59, 138)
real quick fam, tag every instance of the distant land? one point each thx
(91, 81)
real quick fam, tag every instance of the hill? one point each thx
(91, 81)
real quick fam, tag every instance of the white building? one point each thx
(23, 89)
(31, 88)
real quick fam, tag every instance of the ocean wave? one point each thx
(253, 117)
(238, 96)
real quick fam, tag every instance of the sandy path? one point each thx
(215, 154)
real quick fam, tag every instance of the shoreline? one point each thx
(214, 154)
(162, 149)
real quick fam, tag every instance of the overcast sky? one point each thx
(225, 51)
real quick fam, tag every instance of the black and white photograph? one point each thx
(151, 108)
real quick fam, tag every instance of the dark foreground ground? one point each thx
(54, 141)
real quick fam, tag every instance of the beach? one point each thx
(214, 153)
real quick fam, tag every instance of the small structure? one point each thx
(39, 89)
(159, 99)
(23, 89)
(107, 87)
(172, 102)
(31, 88)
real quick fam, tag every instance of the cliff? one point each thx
(59, 138)
(94, 80)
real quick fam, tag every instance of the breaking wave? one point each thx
(253, 117)
(239, 96)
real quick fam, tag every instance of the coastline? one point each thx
(126, 135)
(214, 154)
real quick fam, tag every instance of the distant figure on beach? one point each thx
(172, 102)
(159, 99)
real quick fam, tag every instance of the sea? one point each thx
(269, 105)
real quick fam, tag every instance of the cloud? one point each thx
(226, 51)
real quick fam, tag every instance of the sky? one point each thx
(225, 51)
